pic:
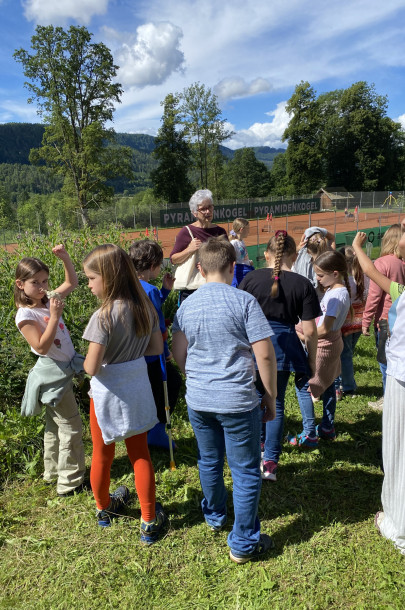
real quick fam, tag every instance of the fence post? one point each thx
(334, 231)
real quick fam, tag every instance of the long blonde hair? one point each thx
(390, 241)
(120, 282)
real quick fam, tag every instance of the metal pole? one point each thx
(310, 221)
(257, 248)
(335, 224)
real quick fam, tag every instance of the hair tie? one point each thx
(281, 232)
(276, 277)
(232, 232)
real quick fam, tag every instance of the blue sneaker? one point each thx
(324, 434)
(302, 440)
(265, 544)
(151, 530)
(118, 500)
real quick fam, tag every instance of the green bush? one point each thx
(21, 438)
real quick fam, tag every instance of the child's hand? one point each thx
(168, 281)
(268, 406)
(359, 240)
(60, 252)
(56, 307)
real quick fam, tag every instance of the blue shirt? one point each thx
(220, 324)
(158, 297)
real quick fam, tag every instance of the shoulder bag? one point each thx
(187, 275)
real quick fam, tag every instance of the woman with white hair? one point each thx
(190, 237)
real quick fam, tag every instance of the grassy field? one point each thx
(320, 513)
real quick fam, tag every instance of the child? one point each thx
(240, 230)
(391, 521)
(351, 329)
(378, 302)
(331, 273)
(147, 257)
(314, 242)
(214, 332)
(121, 332)
(286, 297)
(50, 381)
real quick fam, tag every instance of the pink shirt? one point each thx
(378, 301)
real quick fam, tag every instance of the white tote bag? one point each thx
(187, 276)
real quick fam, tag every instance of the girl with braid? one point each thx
(331, 273)
(285, 297)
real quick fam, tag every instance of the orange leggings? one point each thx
(138, 453)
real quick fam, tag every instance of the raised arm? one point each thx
(367, 265)
(71, 280)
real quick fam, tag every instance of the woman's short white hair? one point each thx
(197, 199)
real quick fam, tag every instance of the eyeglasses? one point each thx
(206, 210)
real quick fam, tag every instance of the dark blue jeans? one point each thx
(239, 435)
(274, 428)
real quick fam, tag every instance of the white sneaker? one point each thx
(377, 405)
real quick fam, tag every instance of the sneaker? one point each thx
(349, 394)
(118, 500)
(377, 405)
(261, 450)
(302, 440)
(378, 519)
(151, 530)
(326, 435)
(269, 470)
(265, 544)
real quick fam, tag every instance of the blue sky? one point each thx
(251, 53)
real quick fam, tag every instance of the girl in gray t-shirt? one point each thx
(121, 333)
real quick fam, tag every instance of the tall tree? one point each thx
(304, 155)
(246, 176)
(72, 81)
(205, 128)
(362, 145)
(170, 179)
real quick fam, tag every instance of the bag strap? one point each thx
(189, 230)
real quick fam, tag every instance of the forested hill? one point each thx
(17, 139)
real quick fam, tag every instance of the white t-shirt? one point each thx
(336, 304)
(62, 347)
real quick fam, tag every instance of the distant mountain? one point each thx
(18, 176)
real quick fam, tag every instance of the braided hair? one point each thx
(278, 245)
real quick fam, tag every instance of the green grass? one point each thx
(320, 514)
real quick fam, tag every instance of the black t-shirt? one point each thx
(296, 298)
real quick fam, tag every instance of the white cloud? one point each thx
(11, 110)
(263, 134)
(153, 57)
(236, 87)
(401, 119)
(59, 11)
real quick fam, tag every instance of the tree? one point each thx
(205, 128)
(342, 138)
(278, 173)
(363, 147)
(304, 154)
(246, 176)
(71, 80)
(170, 179)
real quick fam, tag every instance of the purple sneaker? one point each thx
(324, 434)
